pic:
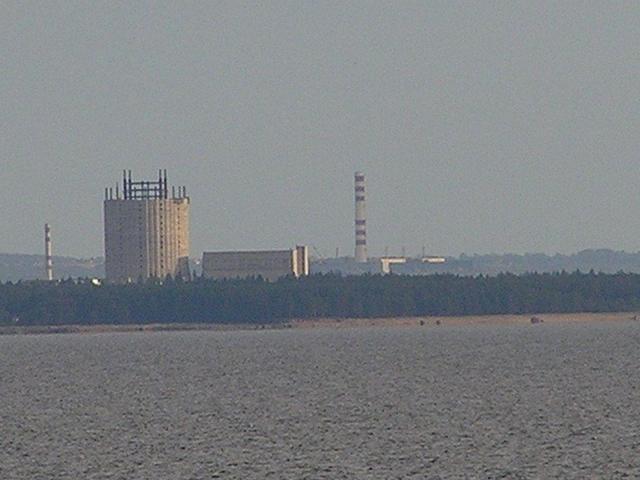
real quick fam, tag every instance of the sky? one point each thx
(482, 127)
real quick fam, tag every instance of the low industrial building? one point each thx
(268, 264)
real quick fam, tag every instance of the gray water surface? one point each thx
(486, 402)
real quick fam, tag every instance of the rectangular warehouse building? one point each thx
(268, 264)
(146, 231)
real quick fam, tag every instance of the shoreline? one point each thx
(334, 323)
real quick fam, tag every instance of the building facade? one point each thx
(268, 264)
(146, 230)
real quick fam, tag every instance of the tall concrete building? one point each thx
(146, 230)
(268, 264)
(361, 219)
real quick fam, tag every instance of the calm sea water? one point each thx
(487, 402)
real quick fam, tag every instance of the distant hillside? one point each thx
(600, 260)
(14, 267)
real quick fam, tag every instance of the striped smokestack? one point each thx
(47, 252)
(361, 219)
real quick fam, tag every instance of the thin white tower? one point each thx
(361, 219)
(47, 252)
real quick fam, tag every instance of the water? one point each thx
(544, 401)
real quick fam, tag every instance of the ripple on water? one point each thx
(453, 402)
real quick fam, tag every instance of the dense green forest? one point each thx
(257, 301)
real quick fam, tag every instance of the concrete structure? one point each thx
(433, 260)
(48, 258)
(146, 230)
(386, 262)
(361, 219)
(268, 264)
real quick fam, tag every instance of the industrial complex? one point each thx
(146, 235)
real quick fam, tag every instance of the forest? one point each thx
(81, 302)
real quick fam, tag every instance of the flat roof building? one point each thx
(268, 264)
(146, 230)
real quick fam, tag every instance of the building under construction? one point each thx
(146, 230)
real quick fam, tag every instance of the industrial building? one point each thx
(268, 264)
(146, 230)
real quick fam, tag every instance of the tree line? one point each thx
(258, 301)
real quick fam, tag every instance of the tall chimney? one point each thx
(361, 219)
(47, 252)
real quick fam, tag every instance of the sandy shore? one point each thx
(331, 323)
(153, 327)
(465, 320)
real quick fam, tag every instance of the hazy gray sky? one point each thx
(482, 126)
